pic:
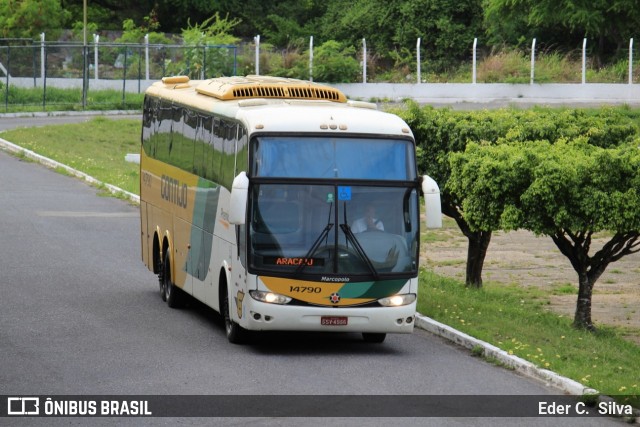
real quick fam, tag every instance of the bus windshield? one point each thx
(344, 158)
(333, 230)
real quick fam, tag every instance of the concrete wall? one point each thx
(456, 93)
(132, 86)
(427, 93)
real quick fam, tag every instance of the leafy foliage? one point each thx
(29, 18)
(201, 62)
(391, 27)
(335, 63)
(567, 189)
(543, 187)
(440, 133)
(133, 33)
(609, 23)
(447, 27)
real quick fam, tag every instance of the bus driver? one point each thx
(369, 222)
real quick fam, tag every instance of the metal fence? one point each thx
(95, 67)
(131, 68)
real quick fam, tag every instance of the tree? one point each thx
(438, 133)
(198, 37)
(441, 132)
(132, 33)
(335, 63)
(609, 22)
(29, 18)
(109, 14)
(568, 190)
(447, 27)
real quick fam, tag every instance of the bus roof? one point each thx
(272, 104)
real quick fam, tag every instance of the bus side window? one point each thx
(206, 139)
(229, 154)
(163, 134)
(176, 135)
(186, 147)
(198, 145)
(147, 123)
(217, 145)
(242, 154)
(155, 127)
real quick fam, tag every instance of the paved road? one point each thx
(80, 314)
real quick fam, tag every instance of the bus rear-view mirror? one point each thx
(433, 209)
(238, 202)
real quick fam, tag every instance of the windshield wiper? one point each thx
(361, 253)
(323, 235)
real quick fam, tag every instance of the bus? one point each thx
(282, 205)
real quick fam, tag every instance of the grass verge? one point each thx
(18, 99)
(517, 320)
(96, 147)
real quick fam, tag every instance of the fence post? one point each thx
(85, 74)
(146, 56)
(474, 68)
(44, 86)
(96, 40)
(124, 77)
(419, 72)
(139, 67)
(256, 39)
(584, 60)
(203, 70)
(631, 61)
(42, 48)
(235, 60)
(533, 59)
(364, 60)
(311, 58)
(6, 86)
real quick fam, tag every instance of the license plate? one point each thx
(334, 320)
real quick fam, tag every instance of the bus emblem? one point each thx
(334, 298)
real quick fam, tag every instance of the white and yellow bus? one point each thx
(282, 205)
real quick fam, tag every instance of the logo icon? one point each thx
(334, 298)
(344, 193)
(23, 406)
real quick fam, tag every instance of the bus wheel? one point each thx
(161, 281)
(171, 292)
(373, 337)
(236, 334)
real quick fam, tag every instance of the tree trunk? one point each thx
(582, 318)
(478, 243)
(575, 246)
(477, 251)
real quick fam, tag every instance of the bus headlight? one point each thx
(269, 297)
(397, 300)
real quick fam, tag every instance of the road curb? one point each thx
(522, 366)
(50, 163)
(92, 113)
(528, 369)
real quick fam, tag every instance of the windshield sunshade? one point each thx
(343, 158)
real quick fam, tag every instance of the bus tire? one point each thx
(171, 292)
(236, 334)
(373, 337)
(161, 281)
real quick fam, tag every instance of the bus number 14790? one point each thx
(307, 289)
